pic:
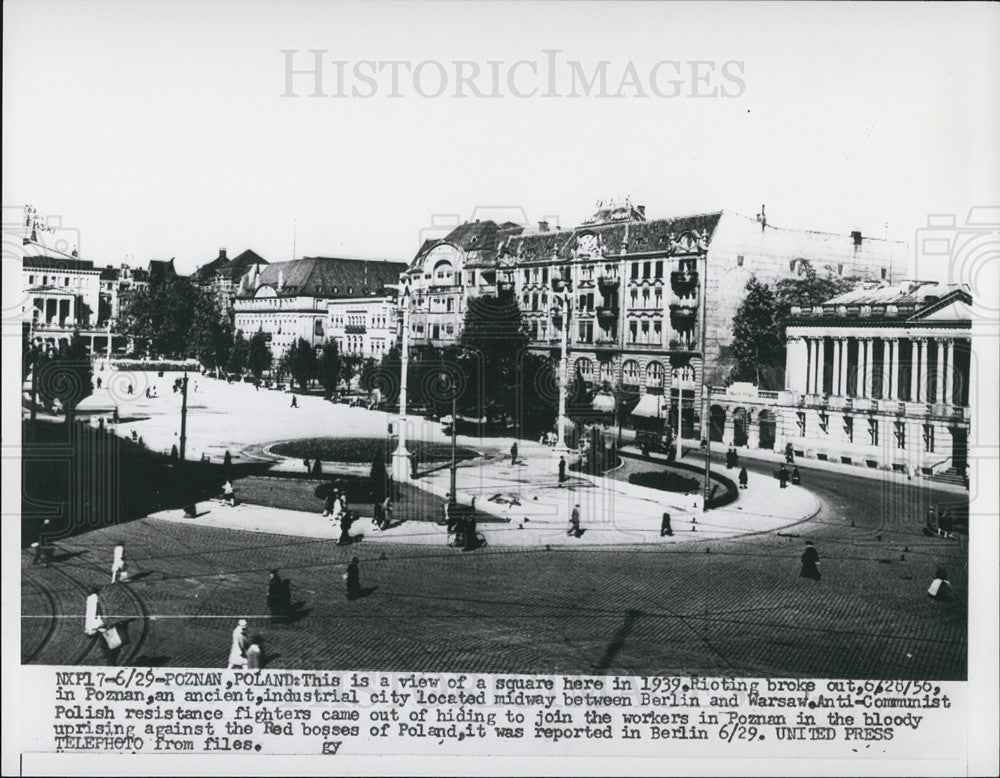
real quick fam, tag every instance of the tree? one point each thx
(300, 361)
(538, 399)
(66, 376)
(238, 354)
(757, 337)
(161, 315)
(490, 349)
(329, 368)
(580, 403)
(809, 289)
(259, 356)
(210, 336)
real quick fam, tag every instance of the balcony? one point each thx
(682, 317)
(607, 283)
(605, 345)
(681, 344)
(505, 286)
(682, 283)
(607, 314)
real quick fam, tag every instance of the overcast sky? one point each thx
(158, 129)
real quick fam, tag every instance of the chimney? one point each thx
(642, 210)
(222, 254)
(543, 226)
(856, 237)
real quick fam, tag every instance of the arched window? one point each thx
(585, 366)
(654, 374)
(630, 372)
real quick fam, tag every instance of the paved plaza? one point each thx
(722, 597)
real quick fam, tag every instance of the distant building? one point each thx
(364, 327)
(117, 284)
(292, 300)
(223, 274)
(876, 377)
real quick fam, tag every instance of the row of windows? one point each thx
(898, 430)
(47, 280)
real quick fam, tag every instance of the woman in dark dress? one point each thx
(810, 562)
(353, 579)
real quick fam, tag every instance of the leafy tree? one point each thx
(161, 315)
(580, 402)
(538, 399)
(329, 367)
(300, 361)
(756, 336)
(210, 336)
(239, 353)
(259, 357)
(809, 289)
(66, 376)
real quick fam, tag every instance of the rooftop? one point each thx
(324, 277)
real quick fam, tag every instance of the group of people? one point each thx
(784, 476)
(94, 624)
(460, 524)
(940, 522)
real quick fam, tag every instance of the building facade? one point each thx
(633, 317)
(291, 300)
(223, 274)
(878, 377)
(365, 327)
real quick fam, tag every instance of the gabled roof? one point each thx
(161, 269)
(324, 277)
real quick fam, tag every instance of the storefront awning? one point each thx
(604, 403)
(650, 407)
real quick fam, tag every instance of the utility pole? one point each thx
(454, 460)
(706, 407)
(184, 411)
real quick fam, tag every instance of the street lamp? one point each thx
(401, 457)
(565, 298)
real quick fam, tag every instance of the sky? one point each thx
(158, 129)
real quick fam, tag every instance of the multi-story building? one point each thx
(223, 275)
(364, 326)
(634, 285)
(876, 377)
(291, 300)
(117, 283)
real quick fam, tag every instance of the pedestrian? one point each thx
(94, 620)
(353, 578)
(796, 477)
(328, 503)
(275, 595)
(541, 439)
(562, 470)
(387, 510)
(940, 588)
(729, 458)
(810, 562)
(254, 653)
(317, 467)
(147, 393)
(736, 457)
(469, 527)
(130, 389)
(238, 648)
(574, 522)
(118, 572)
(43, 550)
(228, 493)
(783, 476)
(295, 401)
(744, 478)
(946, 522)
(789, 453)
(931, 529)
(305, 464)
(345, 529)
(665, 526)
(379, 518)
(413, 466)
(513, 452)
(98, 382)
(173, 451)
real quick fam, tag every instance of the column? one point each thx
(884, 393)
(949, 372)
(820, 360)
(859, 378)
(810, 364)
(939, 370)
(922, 385)
(914, 369)
(838, 353)
(893, 370)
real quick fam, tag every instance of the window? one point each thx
(657, 332)
(658, 270)
(849, 428)
(873, 432)
(635, 270)
(929, 438)
(634, 297)
(824, 422)
(645, 269)
(900, 433)
(586, 331)
(645, 332)
(545, 275)
(633, 329)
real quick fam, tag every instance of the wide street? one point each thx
(715, 606)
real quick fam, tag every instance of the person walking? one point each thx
(783, 476)
(562, 470)
(115, 418)
(796, 477)
(744, 478)
(940, 588)
(255, 653)
(789, 453)
(513, 453)
(353, 578)
(810, 562)
(238, 648)
(275, 595)
(93, 621)
(118, 565)
(574, 522)
(387, 510)
(228, 493)
(295, 401)
(665, 526)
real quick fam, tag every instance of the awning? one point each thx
(604, 403)
(650, 406)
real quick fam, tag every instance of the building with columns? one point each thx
(878, 377)
(636, 284)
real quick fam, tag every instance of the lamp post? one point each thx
(401, 457)
(565, 299)
(184, 412)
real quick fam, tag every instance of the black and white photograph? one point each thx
(606, 387)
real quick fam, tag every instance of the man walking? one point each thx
(562, 470)
(574, 522)
(665, 528)
(783, 477)
(238, 649)
(513, 453)
(744, 478)
(810, 562)
(118, 565)
(353, 577)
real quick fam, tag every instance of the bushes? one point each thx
(156, 365)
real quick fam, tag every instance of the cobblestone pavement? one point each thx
(714, 607)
